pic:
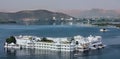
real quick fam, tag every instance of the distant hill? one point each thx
(94, 13)
(31, 15)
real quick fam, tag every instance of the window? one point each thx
(77, 42)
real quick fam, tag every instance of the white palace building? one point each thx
(78, 43)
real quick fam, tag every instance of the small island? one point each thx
(78, 43)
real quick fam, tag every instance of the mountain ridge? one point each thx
(93, 13)
(31, 15)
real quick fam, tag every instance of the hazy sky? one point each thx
(15, 5)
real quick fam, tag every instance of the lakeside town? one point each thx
(45, 17)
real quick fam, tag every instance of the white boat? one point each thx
(103, 30)
(78, 43)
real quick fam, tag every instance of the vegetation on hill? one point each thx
(32, 15)
(3, 22)
(106, 24)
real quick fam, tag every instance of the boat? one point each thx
(103, 30)
(76, 43)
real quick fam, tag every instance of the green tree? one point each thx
(11, 39)
(46, 40)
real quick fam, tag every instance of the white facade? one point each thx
(58, 44)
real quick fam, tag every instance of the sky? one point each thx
(53, 5)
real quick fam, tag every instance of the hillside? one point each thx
(94, 13)
(31, 15)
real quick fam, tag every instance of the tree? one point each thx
(46, 40)
(11, 39)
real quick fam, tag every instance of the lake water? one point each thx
(110, 38)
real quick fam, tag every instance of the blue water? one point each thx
(110, 38)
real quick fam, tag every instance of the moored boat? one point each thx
(103, 30)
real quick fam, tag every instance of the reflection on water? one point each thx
(40, 53)
(48, 54)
